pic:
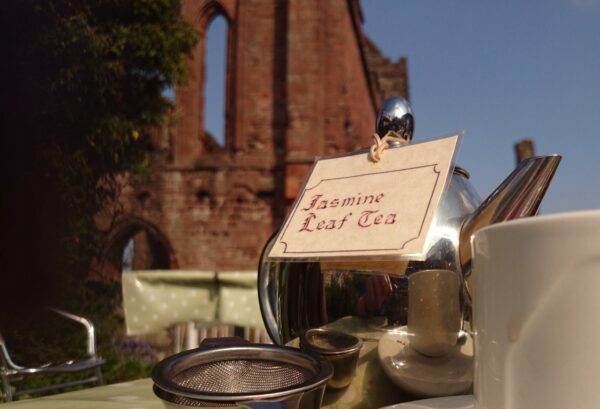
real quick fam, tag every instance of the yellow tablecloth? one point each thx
(128, 395)
(156, 299)
(138, 395)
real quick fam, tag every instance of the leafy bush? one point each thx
(82, 89)
(47, 337)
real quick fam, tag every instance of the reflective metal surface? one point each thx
(242, 375)
(395, 115)
(340, 349)
(298, 296)
(518, 196)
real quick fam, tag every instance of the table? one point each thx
(370, 387)
(138, 395)
(127, 395)
(214, 296)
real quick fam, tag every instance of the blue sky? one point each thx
(216, 51)
(501, 71)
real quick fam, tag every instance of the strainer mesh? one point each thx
(242, 376)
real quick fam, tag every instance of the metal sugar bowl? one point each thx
(412, 316)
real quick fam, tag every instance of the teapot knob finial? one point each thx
(395, 115)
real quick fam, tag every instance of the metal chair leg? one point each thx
(6, 391)
(98, 371)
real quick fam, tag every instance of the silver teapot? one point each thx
(297, 296)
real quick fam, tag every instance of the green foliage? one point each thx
(46, 337)
(126, 359)
(105, 63)
(83, 87)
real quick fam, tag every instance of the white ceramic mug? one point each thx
(536, 313)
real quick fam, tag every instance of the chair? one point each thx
(11, 372)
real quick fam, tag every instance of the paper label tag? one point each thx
(353, 207)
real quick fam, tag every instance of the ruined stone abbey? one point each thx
(302, 80)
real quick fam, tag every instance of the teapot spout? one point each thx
(519, 195)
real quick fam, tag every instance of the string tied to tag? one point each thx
(381, 144)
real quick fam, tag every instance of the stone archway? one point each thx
(135, 244)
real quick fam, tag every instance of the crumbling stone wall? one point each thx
(302, 81)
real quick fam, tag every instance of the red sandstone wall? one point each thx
(298, 87)
(329, 104)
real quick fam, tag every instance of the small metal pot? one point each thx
(250, 375)
(340, 349)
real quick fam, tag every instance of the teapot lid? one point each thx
(395, 115)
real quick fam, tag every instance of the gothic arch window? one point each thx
(169, 94)
(204, 122)
(215, 81)
(136, 245)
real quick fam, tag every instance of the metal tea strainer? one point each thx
(340, 349)
(256, 376)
